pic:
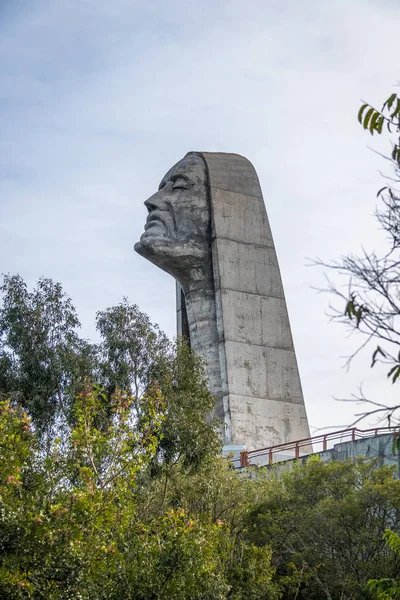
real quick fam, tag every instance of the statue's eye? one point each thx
(180, 183)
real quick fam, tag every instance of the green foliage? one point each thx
(44, 363)
(189, 434)
(92, 521)
(132, 350)
(354, 309)
(62, 515)
(80, 523)
(325, 522)
(129, 497)
(42, 359)
(373, 120)
(387, 588)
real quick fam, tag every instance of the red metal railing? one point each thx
(307, 446)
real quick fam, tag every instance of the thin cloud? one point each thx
(98, 99)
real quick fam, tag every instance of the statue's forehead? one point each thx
(191, 165)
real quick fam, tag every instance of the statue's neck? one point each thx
(199, 294)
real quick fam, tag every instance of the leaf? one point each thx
(379, 124)
(367, 118)
(349, 311)
(358, 314)
(389, 102)
(373, 122)
(396, 153)
(392, 370)
(360, 112)
(396, 111)
(396, 375)
(392, 540)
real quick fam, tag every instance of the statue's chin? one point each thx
(176, 258)
(149, 246)
(138, 247)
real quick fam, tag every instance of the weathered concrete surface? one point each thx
(262, 396)
(230, 299)
(177, 238)
(383, 448)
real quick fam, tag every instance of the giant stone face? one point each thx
(176, 235)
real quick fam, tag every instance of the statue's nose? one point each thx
(154, 203)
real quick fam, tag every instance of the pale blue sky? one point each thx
(98, 99)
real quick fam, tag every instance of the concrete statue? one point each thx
(207, 226)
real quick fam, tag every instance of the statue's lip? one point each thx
(154, 216)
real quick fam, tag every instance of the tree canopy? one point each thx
(112, 483)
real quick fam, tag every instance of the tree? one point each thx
(371, 301)
(189, 433)
(59, 513)
(132, 350)
(128, 431)
(132, 499)
(79, 523)
(325, 522)
(42, 359)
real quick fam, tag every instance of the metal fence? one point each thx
(311, 445)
